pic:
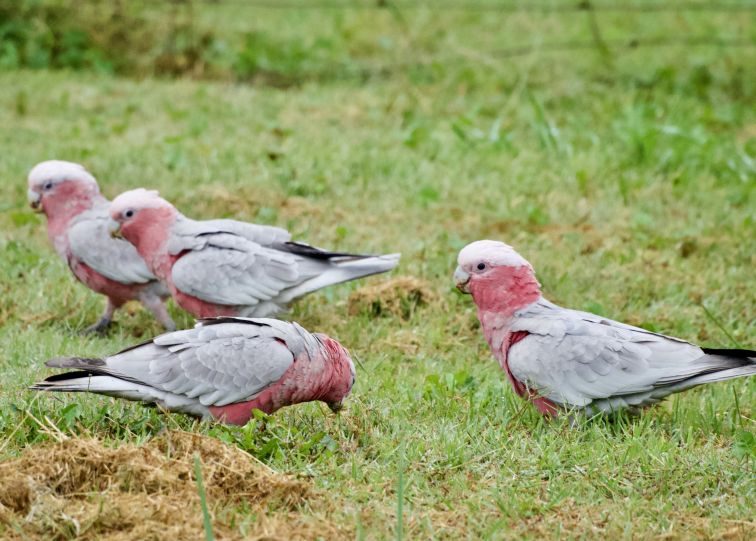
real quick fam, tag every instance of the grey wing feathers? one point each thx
(266, 235)
(229, 268)
(575, 358)
(216, 363)
(116, 259)
(189, 234)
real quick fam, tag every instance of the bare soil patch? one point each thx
(398, 296)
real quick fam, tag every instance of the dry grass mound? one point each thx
(80, 489)
(398, 296)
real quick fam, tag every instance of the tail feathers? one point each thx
(89, 368)
(75, 362)
(722, 375)
(92, 382)
(344, 271)
(367, 265)
(728, 371)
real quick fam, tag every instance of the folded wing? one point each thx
(217, 363)
(582, 360)
(90, 241)
(228, 268)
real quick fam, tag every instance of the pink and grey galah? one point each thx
(230, 268)
(563, 359)
(222, 369)
(77, 225)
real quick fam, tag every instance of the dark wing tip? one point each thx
(51, 383)
(300, 248)
(68, 375)
(739, 353)
(206, 321)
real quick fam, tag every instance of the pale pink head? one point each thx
(342, 372)
(498, 278)
(143, 218)
(60, 188)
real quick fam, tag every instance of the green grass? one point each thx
(628, 183)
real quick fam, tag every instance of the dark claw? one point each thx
(99, 328)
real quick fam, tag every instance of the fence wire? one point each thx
(504, 6)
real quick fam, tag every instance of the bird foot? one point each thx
(99, 328)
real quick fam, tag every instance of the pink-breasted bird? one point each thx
(222, 369)
(77, 226)
(564, 359)
(230, 268)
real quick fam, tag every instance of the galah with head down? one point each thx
(230, 268)
(222, 369)
(562, 359)
(77, 225)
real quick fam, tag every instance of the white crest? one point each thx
(137, 200)
(58, 171)
(493, 252)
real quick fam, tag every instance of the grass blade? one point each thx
(203, 500)
(400, 497)
(720, 325)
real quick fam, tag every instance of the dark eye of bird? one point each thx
(481, 266)
(48, 185)
(129, 213)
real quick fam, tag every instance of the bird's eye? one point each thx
(129, 213)
(48, 185)
(481, 266)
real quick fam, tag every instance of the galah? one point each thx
(230, 268)
(563, 359)
(223, 368)
(77, 226)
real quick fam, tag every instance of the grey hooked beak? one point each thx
(115, 229)
(336, 406)
(35, 200)
(461, 280)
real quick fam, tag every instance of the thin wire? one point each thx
(557, 47)
(540, 7)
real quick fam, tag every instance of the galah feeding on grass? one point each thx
(230, 268)
(77, 225)
(563, 359)
(223, 369)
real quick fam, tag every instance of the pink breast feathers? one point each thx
(117, 292)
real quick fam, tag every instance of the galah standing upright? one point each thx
(230, 268)
(77, 226)
(222, 369)
(563, 359)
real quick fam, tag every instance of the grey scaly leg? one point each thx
(102, 325)
(155, 304)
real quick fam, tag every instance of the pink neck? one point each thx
(505, 290)
(70, 200)
(337, 380)
(498, 295)
(149, 234)
(326, 376)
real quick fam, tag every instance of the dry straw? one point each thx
(77, 488)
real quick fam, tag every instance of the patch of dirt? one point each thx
(298, 207)
(398, 296)
(79, 488)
